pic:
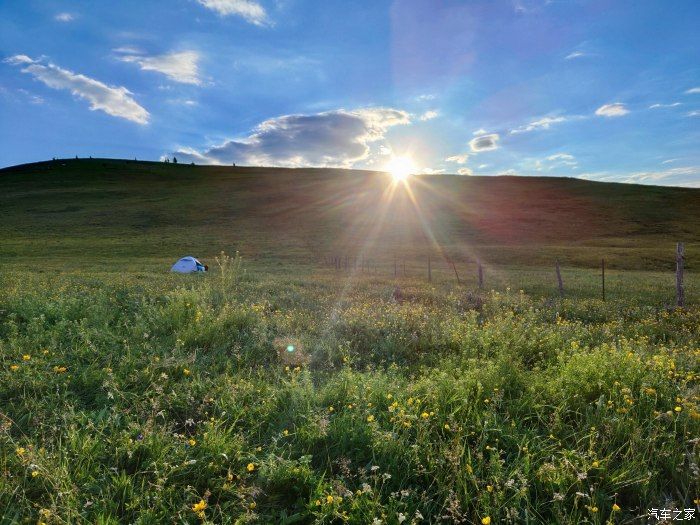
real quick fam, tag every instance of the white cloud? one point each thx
(483, 166)
(113, 100)
(695, 113)
(458, 159)
(543, 123)
(617, 109)
(249, 10)
(431, 171)
(180, 67)
(575, 54)
(429, 96)
(464, 171)
(339, 138)
(64, 17)
(480, 131)
(484, 142)
(686, 176)
(669, 161)
(672, 105)
(429, 115)
(693, 91)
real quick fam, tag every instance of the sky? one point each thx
(598, 89)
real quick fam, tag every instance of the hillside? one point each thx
(97, 209)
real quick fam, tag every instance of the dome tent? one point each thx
(188, 264)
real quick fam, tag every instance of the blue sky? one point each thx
(605, 90)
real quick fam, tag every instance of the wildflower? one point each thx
(447, 426)
(250, 467)
(14, 368)
(331, 409)
(615, 507)
(486, 520)
(285, 432)
(596, 464)
(329, 499)
(678, 408)
(489, 488)
(318, 502)
(20, 451)
(59, 369)
(192, 442)
(186, 372)
(252, 505)
(200, 506)
(35, 473)
(370, 418)
(26, 357)
(470, 470)
(425, 415)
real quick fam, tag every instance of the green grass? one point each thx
(130, 395)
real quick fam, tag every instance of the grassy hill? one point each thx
(87, 211)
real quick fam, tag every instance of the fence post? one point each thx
(455, 269)
(602, 275)
(430, 272)
(680, 292)
(561, 283)
(480, 274)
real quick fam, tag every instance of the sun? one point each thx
(400, 168)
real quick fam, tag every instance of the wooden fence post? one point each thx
(602, 275)
(680, 292)
(480, 274)
(430, 272)
(455, 269)
(561, 283)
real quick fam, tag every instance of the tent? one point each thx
(188, 264)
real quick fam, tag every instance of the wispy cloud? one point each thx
(616, 109)
(339, 138)
(113, 100)
(480, 131)
(458, 159)
(181, 66)
(464, 171)
(484, 142)
(64, 17)
(694, 113)
(671, 105)
(576, 54)
(693, 91)
(429, 115)
(249, 10)
(543, 123)
(685, 176)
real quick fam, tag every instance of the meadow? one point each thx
(275, 389)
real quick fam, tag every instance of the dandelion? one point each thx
(329, 499)
(192, 442)
(250, 467)
(35, 473)
(199, 507)
(425, 415)
(331, 409)
(14, 368)
(285, 432)
(615, 507)
(486, 520)
(26, 357)
(489, 488)
(370, 418)
(20, 451)
(186, 372)
(596, 464)
(678, 408)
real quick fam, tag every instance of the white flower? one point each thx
(401, 517)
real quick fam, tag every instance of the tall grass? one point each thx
(178, 399)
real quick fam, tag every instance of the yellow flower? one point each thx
(447, 427)
(59, 369)
(199, 507)
(615, 507)
(35, 473)
(489, 488)
(26, 357)
(285, 432)
(329, 499)
(470, 469)
(486, 520)
(678, 408)
(425, 415)
(192, 442)
(14, 368)
(389, 396)
(596, 464)
(318, 502)
(252, 505)
(250, 467)
(594, 509)
(186, 371)
(370, 418)
(20, 451)
(331, 409)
